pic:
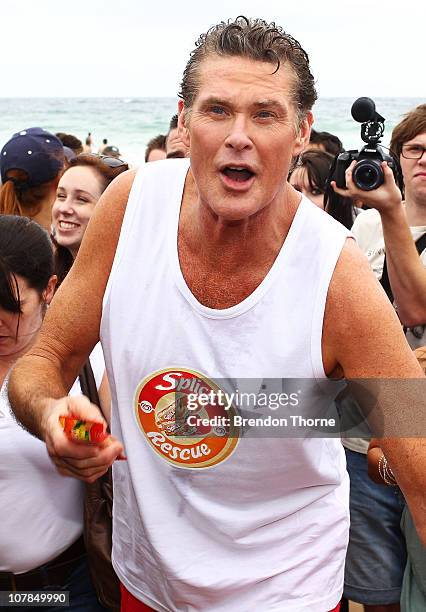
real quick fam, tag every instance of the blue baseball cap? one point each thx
(35, 151)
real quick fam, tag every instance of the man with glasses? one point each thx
(376, 554)
(396, 224)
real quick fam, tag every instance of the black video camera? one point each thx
(367, 173)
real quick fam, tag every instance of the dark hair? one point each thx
(340, 208)
(158, 142)
(70, 141)
(257, 40)
(63, 257)
(414, 123)
(25, 250)
(173, 123)
(331, 143)
(317, 165)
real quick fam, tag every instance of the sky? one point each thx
(138, 48)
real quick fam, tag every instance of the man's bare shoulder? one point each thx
(117, 193)
(352, 266)
(360, 324)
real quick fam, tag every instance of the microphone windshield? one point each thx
(363, 109)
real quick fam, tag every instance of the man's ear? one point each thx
(182, 124)
(303, 134)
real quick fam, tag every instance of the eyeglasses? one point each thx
(412, 151)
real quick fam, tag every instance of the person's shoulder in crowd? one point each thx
(367, 228)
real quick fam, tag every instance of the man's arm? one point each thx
(68, 334)
(363, 339)
(407, 274)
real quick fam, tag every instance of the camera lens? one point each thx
(368, 174)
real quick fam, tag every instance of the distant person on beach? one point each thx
(324, 141)
(310, 175)
(68, 140)
(156, 148)
(175, 147)
(88, 143)
(103, 145)
(31, 164)
(201, 273)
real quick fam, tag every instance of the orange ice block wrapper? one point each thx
(84, 431)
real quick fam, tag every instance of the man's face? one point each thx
(241, 131)
(174, 145)
(414, 170)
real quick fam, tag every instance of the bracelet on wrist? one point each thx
(385, 472)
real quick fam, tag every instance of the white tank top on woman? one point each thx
(266, 529)
(41, 512)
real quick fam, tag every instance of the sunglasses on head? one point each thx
(111, 162)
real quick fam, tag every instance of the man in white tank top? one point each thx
(207, 268)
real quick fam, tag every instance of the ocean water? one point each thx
(129, 123)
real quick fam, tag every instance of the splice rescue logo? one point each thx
(187, 438)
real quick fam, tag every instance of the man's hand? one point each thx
(385, 198)
(81, 460)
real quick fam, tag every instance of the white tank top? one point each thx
(219, 523)
(41, 511)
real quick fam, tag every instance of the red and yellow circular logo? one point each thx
(186, 418)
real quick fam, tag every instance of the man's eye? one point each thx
(415, 149)
(217, 110)
(265, 114)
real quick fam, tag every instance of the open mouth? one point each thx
(67, 225)
(240, 175)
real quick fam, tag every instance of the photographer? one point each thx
(376, 554)
(396, 224)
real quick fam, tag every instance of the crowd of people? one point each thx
(249, 271)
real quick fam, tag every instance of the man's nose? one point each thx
(238, 137)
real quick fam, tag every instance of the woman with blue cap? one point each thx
(31, 164)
